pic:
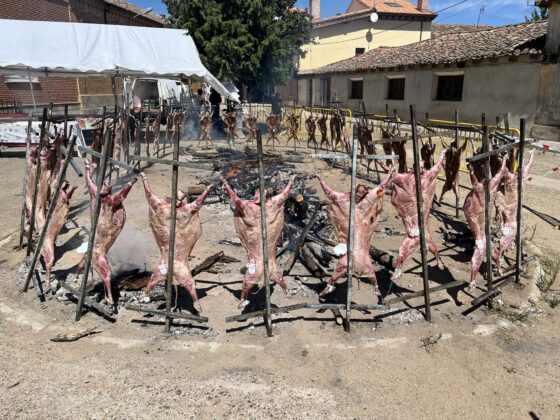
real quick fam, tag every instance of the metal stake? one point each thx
(24, 194)
(420, 207)
(172, 226)
(518, 250)
(264, 234)
(487, 206)
(95, 219)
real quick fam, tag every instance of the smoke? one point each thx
(132, 250)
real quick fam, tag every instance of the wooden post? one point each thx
(35, 191)
(264, 233)
(94, 220)
(25, 177)
(420, 208)
(66, 122)
(518, 250)
(172, 227)
(351, 226)
(487, 205)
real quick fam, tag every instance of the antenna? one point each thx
(480, 13)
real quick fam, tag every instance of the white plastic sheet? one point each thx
(81, 50)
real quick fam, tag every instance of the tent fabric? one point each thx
(79, 50)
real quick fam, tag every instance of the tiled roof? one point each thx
(136, 10)
(394, 6)
(524, 38)
(380, 6)
(439, 29)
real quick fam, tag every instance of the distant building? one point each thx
(82, 94)
(497, 70)
(366, 25)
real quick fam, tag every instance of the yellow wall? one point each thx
(339, 41)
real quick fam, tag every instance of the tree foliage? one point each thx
(538, 13)
(253, 42)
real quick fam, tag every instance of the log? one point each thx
(312, 265)
(211, 260)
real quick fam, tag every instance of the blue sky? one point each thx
(497, 12)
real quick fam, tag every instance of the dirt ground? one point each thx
(465, 364)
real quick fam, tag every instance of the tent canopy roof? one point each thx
(81, 50)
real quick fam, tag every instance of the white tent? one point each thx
(39, 48)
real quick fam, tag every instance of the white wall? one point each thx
(494, 88)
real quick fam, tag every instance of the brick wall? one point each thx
(51, 10)
(52, 89)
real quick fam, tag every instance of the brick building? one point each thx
(81, 94)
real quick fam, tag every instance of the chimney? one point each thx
(315, 9)
(422, 5)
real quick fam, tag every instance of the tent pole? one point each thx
(32, 94)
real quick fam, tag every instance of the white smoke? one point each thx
(132, 250)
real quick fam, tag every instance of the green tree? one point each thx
(538, 13)
(251, 41)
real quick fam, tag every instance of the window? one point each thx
(392, 4)
(450, 88)
(360, 51)
(396, 89)
(357, 89)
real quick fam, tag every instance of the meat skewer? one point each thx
(404, 200)
(247, 221)
(111, 221)
(506, 204)
(474, 211)
(187, 232)
(55, 225)
(369, 205)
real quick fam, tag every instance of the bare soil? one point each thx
(480, 364)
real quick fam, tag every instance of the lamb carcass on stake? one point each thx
(452, 166)
(322, 123)
(475, 214)
(205, 127)
(273, 125)
(311, 126)
(427, 153)
(247, 221)
(231, 120)
(31, 176)
(406, 204)
(58, 219)
(43, 189)
(111, 221)
(369, 204)
(506, 204)
(188, 230)
(251, 125)
(293, 127)
(156, 128)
